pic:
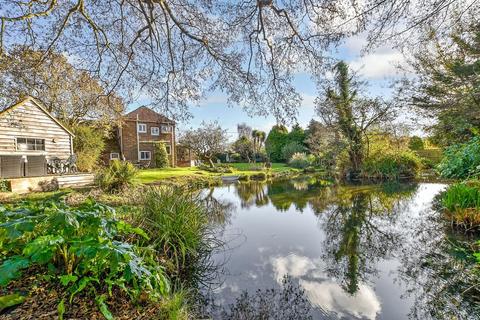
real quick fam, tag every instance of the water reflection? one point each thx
(360, 230)
(353, 251)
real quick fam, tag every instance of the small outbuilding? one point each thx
(30, 137)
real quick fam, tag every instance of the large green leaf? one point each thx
(42, 249)
(11, 269)
(10, 300)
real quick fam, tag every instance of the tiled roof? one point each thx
(147, 114)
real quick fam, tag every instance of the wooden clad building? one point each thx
(29, 137)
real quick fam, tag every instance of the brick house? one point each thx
(135, 139)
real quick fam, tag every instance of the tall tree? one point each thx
(342, 108)
(175, 51)
(206, 141)
(258, 137)
(244, 146)
(276, 140)
(71, 95)
(448, 84)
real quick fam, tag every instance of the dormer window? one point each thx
(155, 131)
(142, 128)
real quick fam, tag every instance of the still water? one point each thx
(300, 249)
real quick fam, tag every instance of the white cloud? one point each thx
(308, 100)
(323, 292)
(378, 65)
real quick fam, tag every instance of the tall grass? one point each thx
(462, 204)
(177, 224)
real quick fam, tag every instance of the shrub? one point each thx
(258, 176)
(177, 224)
(88, 146)
(4, 185)
(83, 249)
(218, 168)
(117, 176)
(391, 166)
(416, 143)
(462, 204)
(161, 155)
(291, 148)
(461, 161)
(244, 177)
(299, 161)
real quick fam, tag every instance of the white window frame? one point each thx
(112, 157)
(146, 152)
(26, 144)
(166, 128)
(142, 125)
(152, 129)
(169, 149)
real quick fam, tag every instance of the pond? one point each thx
(302, 249)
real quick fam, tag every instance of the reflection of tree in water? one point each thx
(360, 230)
(440, 272)
(252, 193)
(220, 210)
(282, 194)
(288, 302)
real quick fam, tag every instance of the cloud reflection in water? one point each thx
(324, 293)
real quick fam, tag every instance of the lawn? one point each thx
(152, 175)
(276, 167)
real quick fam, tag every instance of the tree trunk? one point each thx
(210, 162)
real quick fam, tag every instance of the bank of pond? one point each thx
(294, 248)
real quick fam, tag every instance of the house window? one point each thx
(142, 128)
(145, 155)
(166, 129)
(114, 156)
(30, 144)
(155, 131)
(169, 150)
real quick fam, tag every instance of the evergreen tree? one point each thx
(161, 155)
(276, 140)
(448, 85)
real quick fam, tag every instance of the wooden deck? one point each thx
(44, 183)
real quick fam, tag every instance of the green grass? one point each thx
(153, 175)
(276, 167)
(462, 204)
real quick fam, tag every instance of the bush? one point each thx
(161, 156)
(84, 250)
(88, 146)
(177, 224)
(462, 204)
(218, 168)
(461, 161)
(259, 176)
(117, 176)
(391, 166)
(291, 148)
(300, 161)
(416, 143)
(4, 185)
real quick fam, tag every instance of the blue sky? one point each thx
(377, 67)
